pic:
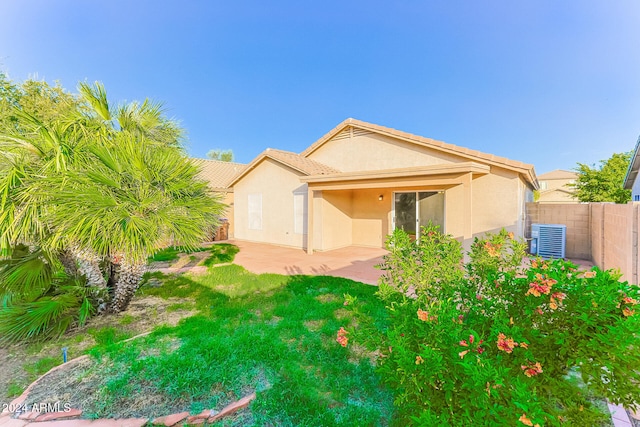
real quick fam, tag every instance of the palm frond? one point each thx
(26, 274)
(96, 96)
(37, 318)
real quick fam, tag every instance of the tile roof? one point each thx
(296, 161)
(558, 174)
(292, 160)
(219, 174)
(524, 168)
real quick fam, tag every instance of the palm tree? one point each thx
(138, 197)
(98, 189)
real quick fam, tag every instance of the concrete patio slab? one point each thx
(353, 262)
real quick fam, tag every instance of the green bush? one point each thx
(38, 300)
(491, 344)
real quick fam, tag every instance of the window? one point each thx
(636, 198)
(299, 217)
(255, 211)
(543, 185)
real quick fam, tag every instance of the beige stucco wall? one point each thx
(277, 184)
(371, 217)
(552, 193)
(375, 152)
(555, 196)
(227, 199)
(498, 202)
(334, 216)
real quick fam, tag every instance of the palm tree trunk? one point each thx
(68, 262)
(89, 267)
(126, 285)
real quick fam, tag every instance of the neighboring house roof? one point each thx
(634, 166)
(219, 174)
(558, 174)
(524, 168)
(560, 189)
(294, 161)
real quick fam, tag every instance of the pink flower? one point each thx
(342, 337)
(506, 344)
(532, 369)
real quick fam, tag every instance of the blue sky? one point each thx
(543, 81)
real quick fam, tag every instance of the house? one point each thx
(219, 175)
(360, 181)
(554, 187)
(631, 181)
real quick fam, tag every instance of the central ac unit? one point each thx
(548, 240)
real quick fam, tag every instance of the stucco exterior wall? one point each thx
(277, 184)
(555, 196)
(336, 220)
(375, 152)
(635, 191)
(455, 210)
(371, 217)
(498, 202)
(227, 199)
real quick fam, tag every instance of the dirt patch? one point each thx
(82, 385)
(327, 298)
(20, 363)
(314, 325)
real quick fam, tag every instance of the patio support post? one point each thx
(309, 221)
(468, 206)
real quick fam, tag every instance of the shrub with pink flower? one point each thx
(517, 334)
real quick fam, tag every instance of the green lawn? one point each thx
(267, 333)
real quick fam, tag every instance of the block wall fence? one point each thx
(604, 233)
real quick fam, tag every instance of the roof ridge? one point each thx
(220, 161)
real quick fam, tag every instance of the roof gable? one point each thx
(292, 160)
(353, 126)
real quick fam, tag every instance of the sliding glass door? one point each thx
(412, 210)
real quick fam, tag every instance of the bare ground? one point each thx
(22, 364)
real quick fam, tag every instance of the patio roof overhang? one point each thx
(444, 176)
(434, 176)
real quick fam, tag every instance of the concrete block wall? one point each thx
(605, 233)
(620, 238)
(575, 216)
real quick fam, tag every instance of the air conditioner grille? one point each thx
(551, 239)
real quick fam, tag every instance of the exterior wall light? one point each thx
(381, 197)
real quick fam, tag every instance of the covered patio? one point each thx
(353, 262)
(362, 208)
